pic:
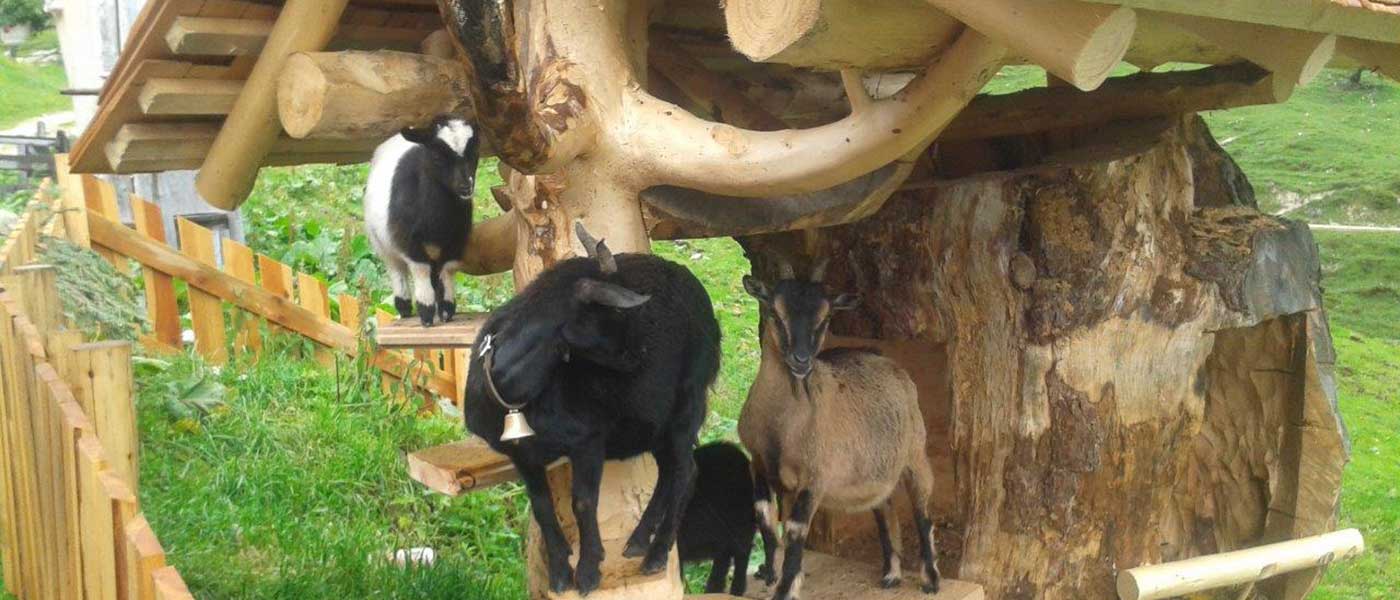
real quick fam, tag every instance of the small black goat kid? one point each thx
(719, 522)
(418, 212)
(610, 356)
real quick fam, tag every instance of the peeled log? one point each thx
(836, 34)
(367, 95)
(1295, 57)
(1077, 42)
(1119, 361)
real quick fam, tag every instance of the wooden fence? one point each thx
(250, 291)
(70, 522)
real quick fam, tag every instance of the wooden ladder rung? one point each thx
(410, 333)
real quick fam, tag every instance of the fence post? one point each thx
(312, 295)
(100, 198)
(276, 278)
(38, 295)
(162, 308)
(143, 556)
(206, 310)
(15, 457)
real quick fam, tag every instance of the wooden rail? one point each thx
(70, 522)
(254, 289)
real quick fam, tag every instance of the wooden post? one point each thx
(162, 307)
(238, 262)
(312, 295)
(231, 166)
(169, 585)
(206, 311)
(99, 528)
(16, 448)
(38, 295)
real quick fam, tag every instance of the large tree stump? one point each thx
(1120, 360)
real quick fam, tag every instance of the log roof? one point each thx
(184, 65)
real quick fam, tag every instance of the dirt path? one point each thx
(1354, 228)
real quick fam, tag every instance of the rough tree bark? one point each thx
(1120, 360)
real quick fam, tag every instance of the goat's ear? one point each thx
(756, 288)
(592, 291)
(845, 302)
(418, 135)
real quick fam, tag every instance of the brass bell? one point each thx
(515, 427)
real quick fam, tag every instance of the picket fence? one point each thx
(70, 523)
(71, 527)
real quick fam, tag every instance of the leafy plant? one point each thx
(23, 12)
(99, 299)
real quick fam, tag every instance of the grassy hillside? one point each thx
(29, 91)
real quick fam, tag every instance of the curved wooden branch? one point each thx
(669, 146)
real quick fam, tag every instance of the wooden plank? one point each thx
(460, 467)
(99, 569)
(205, 36)
(101, 199)
(202, 277)
(277, 278)
(188, 96)
(351, 315)
(311, 295)
(37, 293)
(231, 167)
(70, 201)
(162, 307)
(22, 576)
(142, 143)
(1368, 20)
(206, 310)
(75, 426)
(143, 556)
(106, 390)
(238, 262)
(460, 332)
(169, 585)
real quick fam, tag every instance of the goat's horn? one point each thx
(785, 270)
(590, 244)
(819, 271)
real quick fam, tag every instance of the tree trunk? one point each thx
(1117, 365)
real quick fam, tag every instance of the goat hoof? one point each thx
(635, 548)
(931, 588)
(766, 574)
(425, 314)
(587, 579)
(404, 306)
(561, 580)
(447, 310)
(655, 563)
(889, 582)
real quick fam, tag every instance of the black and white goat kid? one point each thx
(610, 356)
(418, 212)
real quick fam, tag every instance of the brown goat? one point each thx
(840, 429)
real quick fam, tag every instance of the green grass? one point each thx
(1361, 280)
(293, 485)
(29, 91)
(1332, 137)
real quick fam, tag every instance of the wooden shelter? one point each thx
(1120, 359)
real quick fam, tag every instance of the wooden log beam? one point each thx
(231, 167)
(213, 36)
(834, 34)
(140, 145)
(1383, 58)
(367, 95)
(1077, 42)
(1139, 96)
(150, 253)
(1365, 20)
(1294, 56)
(1184, 577)
(189, 97)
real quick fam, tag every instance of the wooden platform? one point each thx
(832, 578)
(410, 333)
(460, 467)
